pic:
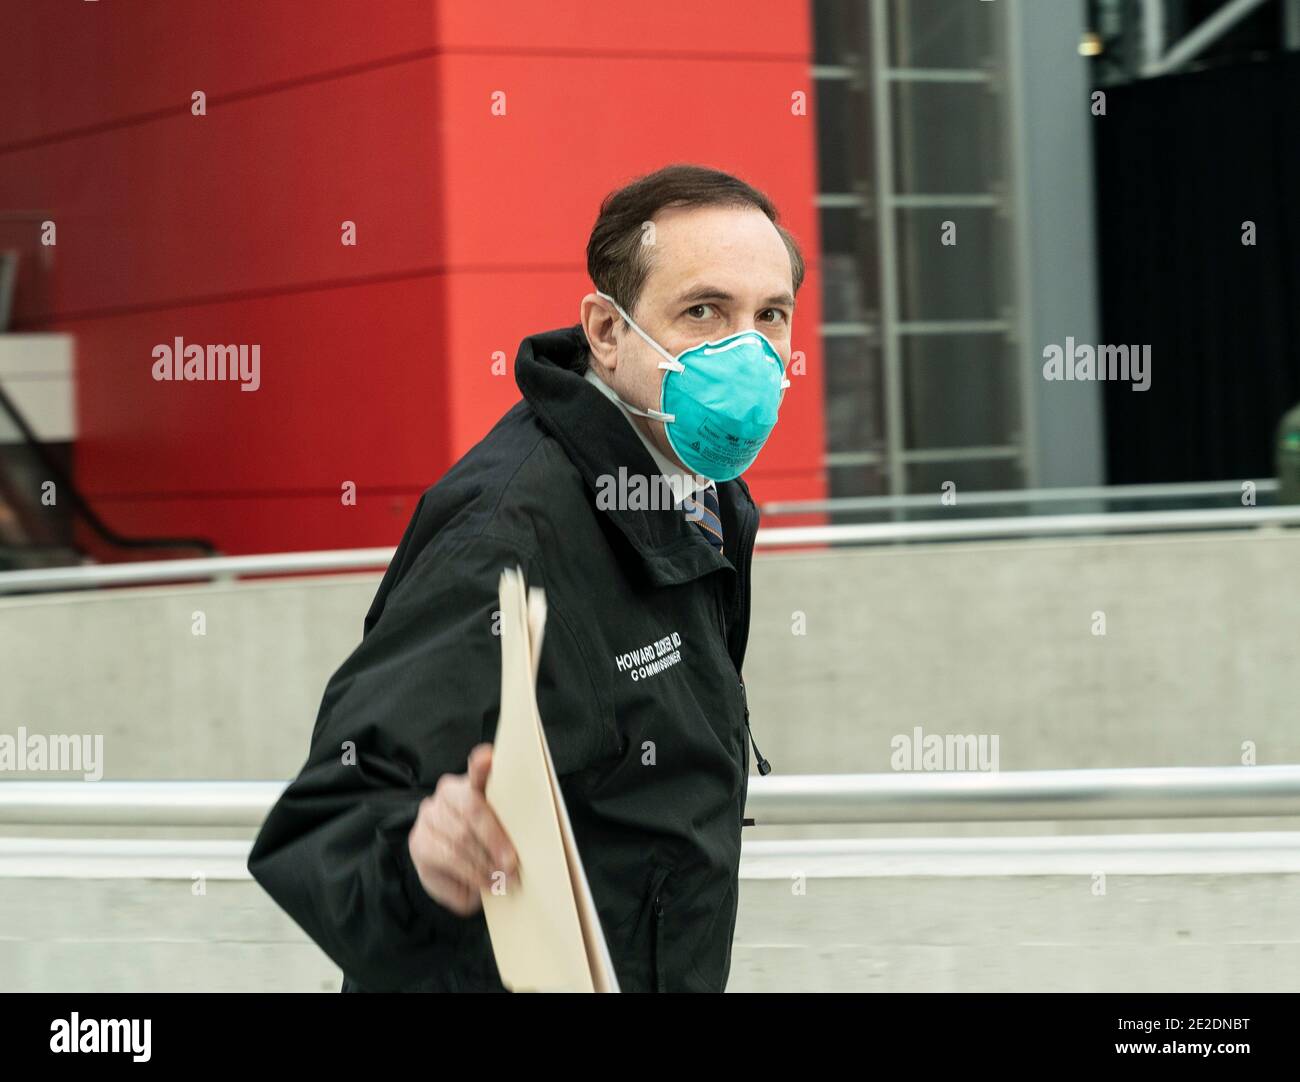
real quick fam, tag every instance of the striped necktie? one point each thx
(705, 511)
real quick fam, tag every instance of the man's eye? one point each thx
(777, 312)
(696, 310)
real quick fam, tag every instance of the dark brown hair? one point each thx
(616, 257)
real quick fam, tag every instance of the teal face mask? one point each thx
(718, 400)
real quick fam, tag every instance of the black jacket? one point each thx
(649, 743)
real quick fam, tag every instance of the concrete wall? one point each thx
(1199, 656)
(1035, 934)
(1187, 933)
(237, 702)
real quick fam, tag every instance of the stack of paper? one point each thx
(545, 931)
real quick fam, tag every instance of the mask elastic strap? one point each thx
(669, 361)
(654, 415)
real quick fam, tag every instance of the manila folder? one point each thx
(545, 931)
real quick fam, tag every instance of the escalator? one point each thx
(45, 520)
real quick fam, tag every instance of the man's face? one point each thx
(714, 272)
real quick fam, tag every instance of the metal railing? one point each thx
(223, 568)
(217, 568)
(1194, 490)
(876, 533)
(1025, 796)
(1033, 795)
(1240, 852)
(137, 803)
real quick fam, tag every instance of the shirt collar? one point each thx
(688, 481)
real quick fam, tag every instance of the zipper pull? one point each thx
(764, 767)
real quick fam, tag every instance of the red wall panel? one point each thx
(261, 522)
(376, 360)
(542, 183)
(351, 389)
(730, 28)
(67, 66)
(526, 187)
(247, 199)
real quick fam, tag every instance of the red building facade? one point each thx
(468, 144)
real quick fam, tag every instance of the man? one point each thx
(382, 844)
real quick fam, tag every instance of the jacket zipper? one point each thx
(764, 767)
(659, 938)
(746, 555)
(657, 930)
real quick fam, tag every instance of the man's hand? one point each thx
(456, 842)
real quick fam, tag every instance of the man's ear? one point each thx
(599, 323)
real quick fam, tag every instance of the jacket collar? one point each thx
(549, 370)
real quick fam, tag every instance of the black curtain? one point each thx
(1182, 161)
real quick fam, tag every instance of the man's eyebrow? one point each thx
(712, 293)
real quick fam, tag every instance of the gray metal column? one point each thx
(1053, 126)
